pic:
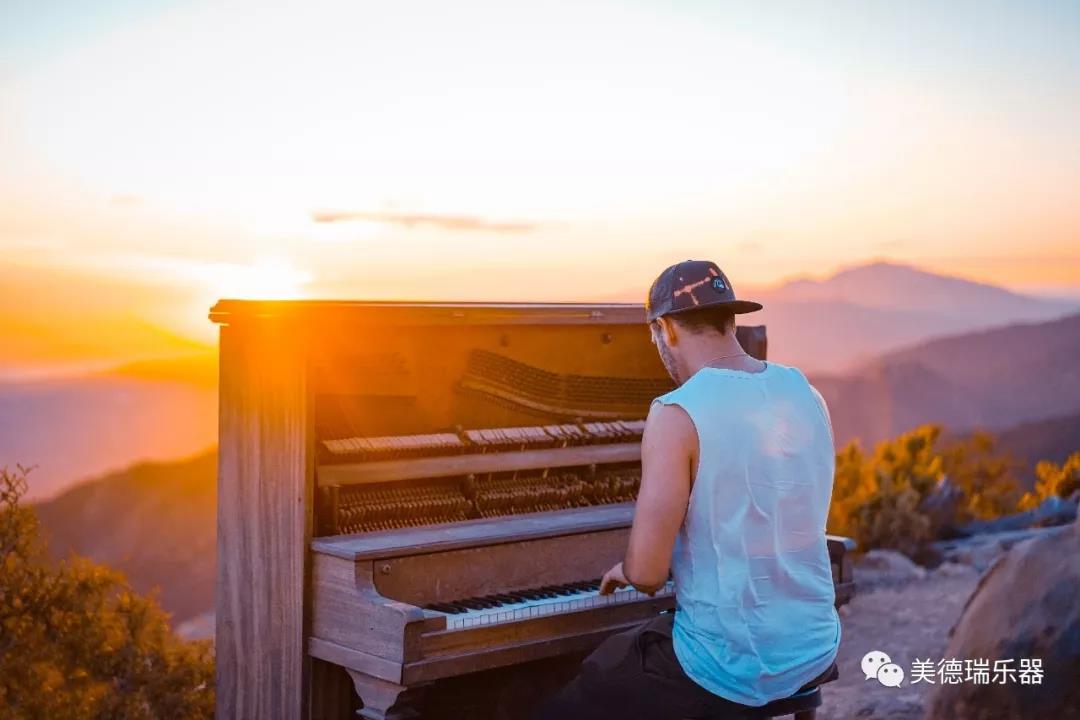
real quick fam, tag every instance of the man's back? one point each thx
(755, 619)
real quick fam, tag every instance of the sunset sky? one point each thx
(157, 155)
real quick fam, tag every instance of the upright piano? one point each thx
(415, 493)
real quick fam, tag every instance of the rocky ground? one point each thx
(906, 612)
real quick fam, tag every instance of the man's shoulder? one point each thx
(797, 380)
(789, 371)
(782, 366)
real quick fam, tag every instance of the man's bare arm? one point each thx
(668, 452)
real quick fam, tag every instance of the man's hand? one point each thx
(613, 580)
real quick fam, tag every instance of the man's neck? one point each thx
(720, 351)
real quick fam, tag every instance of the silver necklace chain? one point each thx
(725, 357)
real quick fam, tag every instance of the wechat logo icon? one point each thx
(878, 665)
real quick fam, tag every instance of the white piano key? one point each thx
(532, 609)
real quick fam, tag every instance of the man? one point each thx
(736, 477)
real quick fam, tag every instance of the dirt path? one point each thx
(906, 621)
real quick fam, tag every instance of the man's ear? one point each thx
(668, 331)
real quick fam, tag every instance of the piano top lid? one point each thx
(377, 312)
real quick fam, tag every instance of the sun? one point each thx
(272, 279)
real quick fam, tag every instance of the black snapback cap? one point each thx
(693, 285)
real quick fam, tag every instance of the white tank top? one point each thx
(754, 588)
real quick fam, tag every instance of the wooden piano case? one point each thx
(315, 398)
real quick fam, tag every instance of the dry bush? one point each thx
(1053, 480)
(77, 643)
(881, 499)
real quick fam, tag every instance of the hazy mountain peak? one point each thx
(888, 284)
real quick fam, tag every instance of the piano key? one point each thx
(534, 605)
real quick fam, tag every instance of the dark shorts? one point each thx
(635, 674)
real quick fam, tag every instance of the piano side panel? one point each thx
(264, 523)
(348, 612)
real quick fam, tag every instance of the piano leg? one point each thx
(332, 694)
(386, 700)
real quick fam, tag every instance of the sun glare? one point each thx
(264, 280)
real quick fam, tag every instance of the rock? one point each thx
(940, 505)
(952, 569)
(979, 554)
(886, 567)
(1023, 608)
(1051, 511)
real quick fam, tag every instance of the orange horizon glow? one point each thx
(419, 150)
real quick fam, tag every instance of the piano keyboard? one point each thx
(537, 602)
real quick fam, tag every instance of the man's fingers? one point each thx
(609, 585)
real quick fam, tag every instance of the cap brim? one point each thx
(739, 307)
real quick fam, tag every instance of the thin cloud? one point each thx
(444, 222)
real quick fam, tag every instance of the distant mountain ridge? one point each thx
(994, 379)
(894, 285)
(74, 428)
(833, 325)
(156, 522)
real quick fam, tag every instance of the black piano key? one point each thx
(471, 604)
